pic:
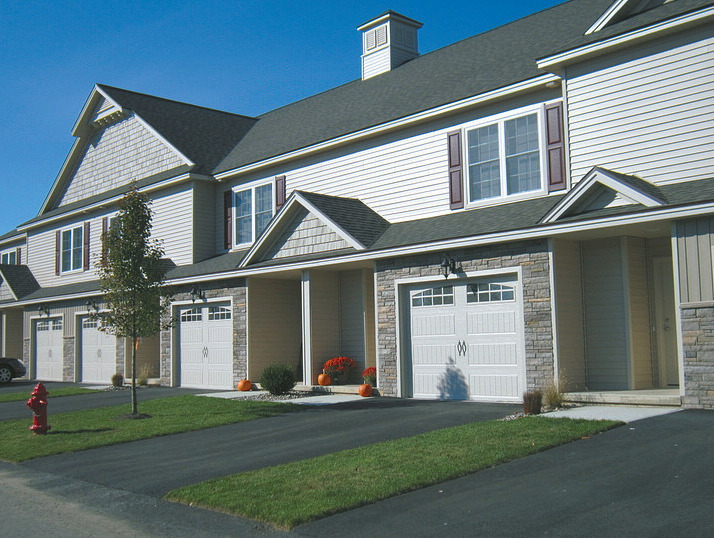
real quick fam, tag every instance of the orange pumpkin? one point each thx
(323, 380)
(365, 390)
(245, 385)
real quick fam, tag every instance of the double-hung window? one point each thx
(504, 158)
(253, 210)
(72, 249)
(9, 258)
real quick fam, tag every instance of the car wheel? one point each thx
(5, 374)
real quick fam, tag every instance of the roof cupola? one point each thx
(388, 41)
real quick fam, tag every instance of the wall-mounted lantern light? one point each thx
(92, 307)
(44, 310)
(197, 293)
(448, 265)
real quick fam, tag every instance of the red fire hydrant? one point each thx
(38, 404)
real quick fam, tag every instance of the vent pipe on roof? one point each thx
(388, 41)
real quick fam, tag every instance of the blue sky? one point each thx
(243, 57)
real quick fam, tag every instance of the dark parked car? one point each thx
(10, 368)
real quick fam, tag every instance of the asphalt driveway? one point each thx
(652, 476)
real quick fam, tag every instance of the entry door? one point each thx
(206, 346)
(98, 353)
(466, 341)
(49, 349)
(666, 329)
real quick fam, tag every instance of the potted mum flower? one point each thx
(339, 369)
(369, 375)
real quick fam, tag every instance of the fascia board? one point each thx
(540, 232)
(600, 46)
(297, 199)
(114, 199)
(425, 115)
(20, 238)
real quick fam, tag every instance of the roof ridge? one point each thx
(183, 103)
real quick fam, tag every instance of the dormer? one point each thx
(388, 41)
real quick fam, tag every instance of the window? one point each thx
(443, 295)
(253, 211)
(504, 158)
(216, 313)
(72, 249)
(488, 292)
(193, 314)
(9, 258)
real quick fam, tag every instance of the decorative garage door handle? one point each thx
(205, 352)
(461, 348)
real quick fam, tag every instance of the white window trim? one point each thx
(8, 254)
(500, 119)
(252, 186)
(71, 229)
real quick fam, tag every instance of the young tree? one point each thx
(132, 277)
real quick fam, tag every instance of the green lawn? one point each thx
(92, 428)
(70, 391)
(295, 493)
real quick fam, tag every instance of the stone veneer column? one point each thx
(698, 344)
(225, 288)
(68, 358)
(533, 259)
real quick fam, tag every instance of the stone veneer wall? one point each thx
(698, 343)
(70, 359)
(532, 257)
(224, 288)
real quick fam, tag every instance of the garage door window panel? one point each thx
(439, 296)
(486, 292)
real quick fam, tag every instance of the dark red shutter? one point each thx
(18, 256)
(456, 184)
(58, 251)
(555, 146)
(86, 246)
(105, 229)
(228, 220)
(279, 192)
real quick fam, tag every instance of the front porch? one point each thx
(646, 397)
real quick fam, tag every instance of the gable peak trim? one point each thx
(612, 180)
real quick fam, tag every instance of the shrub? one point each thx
(553, 394)
(278, 379)
(117, 380)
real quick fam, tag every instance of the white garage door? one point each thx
(49, 349)
(206, 347)
(466, 341)
(99, 353)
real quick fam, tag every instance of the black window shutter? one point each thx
(456, 184)
(58, 251)
(86, 246)
(18, 256)
(228, 220)
(105, 229)
(555, 146)
(279, 192)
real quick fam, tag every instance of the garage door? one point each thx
(206, 346)
(49, 349)
(99, 354)
(466, 341)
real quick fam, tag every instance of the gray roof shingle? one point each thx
(20, 279)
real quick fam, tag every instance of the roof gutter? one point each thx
(432, 113)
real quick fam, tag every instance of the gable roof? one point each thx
(488, 61)
(20, 280)
(350, 219)
(632, 188)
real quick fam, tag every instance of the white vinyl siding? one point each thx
(651, 116)
(274, 325)
(324, 319)
(114, 156)
(173, 223)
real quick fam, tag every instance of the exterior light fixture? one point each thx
(92, 307)
(44, 310)
(448, 265)
(197, 293)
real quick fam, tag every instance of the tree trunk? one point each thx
(134, 410)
